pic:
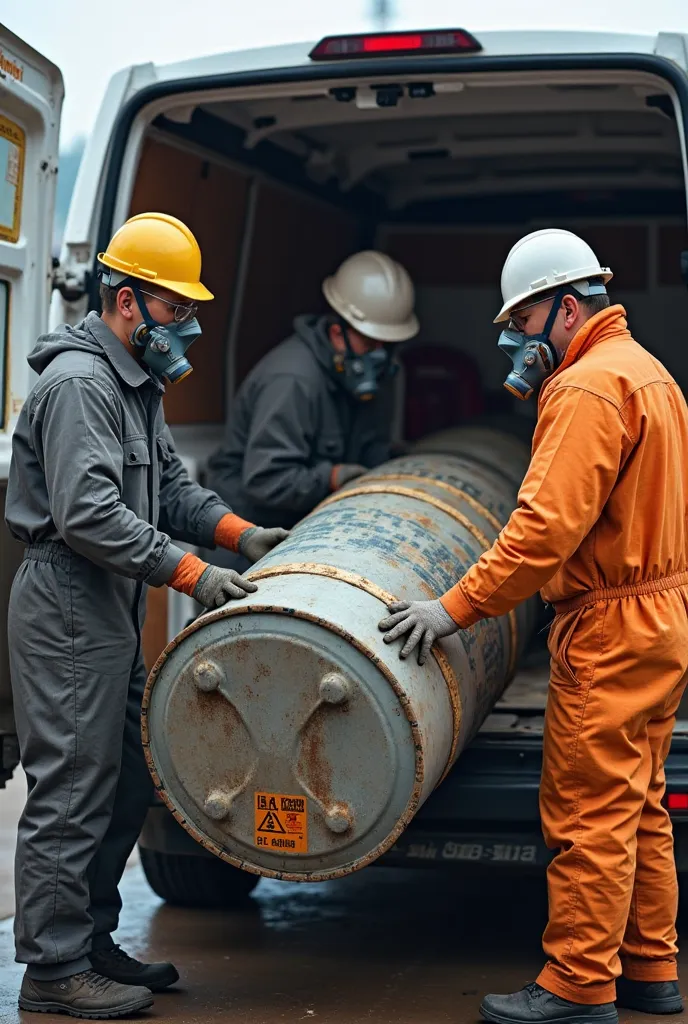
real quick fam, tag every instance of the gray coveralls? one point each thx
(95, 491)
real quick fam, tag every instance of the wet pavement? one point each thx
(11, 803)
(381, 947)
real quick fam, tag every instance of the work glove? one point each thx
(218, 586)
(426, 621)
(344, 472)
(255, 542)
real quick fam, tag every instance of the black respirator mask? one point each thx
(360, 376)
(534, 355)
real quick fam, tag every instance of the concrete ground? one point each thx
(380, 947)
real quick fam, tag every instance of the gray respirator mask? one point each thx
(360, 376)
(534, 356)
(164, 345)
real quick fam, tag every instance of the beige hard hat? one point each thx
(544, 260)
(374, 294)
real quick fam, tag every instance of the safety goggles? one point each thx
(183, 311)
(516, 322)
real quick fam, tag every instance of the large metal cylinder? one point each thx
(281, 731)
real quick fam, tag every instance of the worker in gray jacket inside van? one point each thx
(98, 494)
(316, 411)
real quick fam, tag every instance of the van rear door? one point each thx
(31, 93)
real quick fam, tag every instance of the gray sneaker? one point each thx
(83, 995)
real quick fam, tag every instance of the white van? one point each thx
(439, 147)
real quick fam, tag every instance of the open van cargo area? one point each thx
(445, 173)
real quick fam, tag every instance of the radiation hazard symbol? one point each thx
(281, 823)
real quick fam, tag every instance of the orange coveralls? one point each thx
(601, 529)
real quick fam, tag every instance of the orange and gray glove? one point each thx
(210, 585)
(344, 472)
(257, 541)
(426, 621)
(253, 542)
(217, 586)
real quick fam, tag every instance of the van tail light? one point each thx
(677, 801)
(381, 44)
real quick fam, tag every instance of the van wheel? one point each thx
(203, 882)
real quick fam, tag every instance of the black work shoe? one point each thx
(83, 995)
(535, 1005)
(648, 996)
(114, 963)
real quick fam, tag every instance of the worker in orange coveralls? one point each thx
(600, 530)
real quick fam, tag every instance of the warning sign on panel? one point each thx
(281, 823)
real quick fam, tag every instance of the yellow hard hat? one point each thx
(160, 249)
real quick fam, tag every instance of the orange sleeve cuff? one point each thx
(187, 574)
(456, 604)
(229, 529)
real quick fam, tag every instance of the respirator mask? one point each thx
(164, 345)
(360, 376)
(534, 356)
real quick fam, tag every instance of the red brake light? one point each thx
(453, 40)
(677, 801)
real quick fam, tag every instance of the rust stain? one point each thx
(207, 704)
(442, 485)
(241, 649)
(314, 764)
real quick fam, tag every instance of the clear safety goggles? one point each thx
(183, 311)
(516, 322)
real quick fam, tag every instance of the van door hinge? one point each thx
(71, 281)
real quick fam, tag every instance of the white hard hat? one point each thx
(374, 294)
(545, 260)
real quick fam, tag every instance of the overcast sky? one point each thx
(91, 40)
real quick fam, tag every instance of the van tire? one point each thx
(206, 883)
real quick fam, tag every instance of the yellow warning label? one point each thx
(12, 149)
(281, 823)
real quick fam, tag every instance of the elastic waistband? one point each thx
(677, 579)
(49, 551)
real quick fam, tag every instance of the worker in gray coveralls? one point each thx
(96, 492)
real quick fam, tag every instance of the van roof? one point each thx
(494, 44)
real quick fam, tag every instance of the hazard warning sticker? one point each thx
(281, 823)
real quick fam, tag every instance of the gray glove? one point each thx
(426, 621)
(256, 542)
(344, 472)
(218, 586)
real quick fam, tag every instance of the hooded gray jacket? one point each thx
(94, 464)
(290, 423)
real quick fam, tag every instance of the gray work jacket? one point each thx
(94, 465)
(290, 423)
